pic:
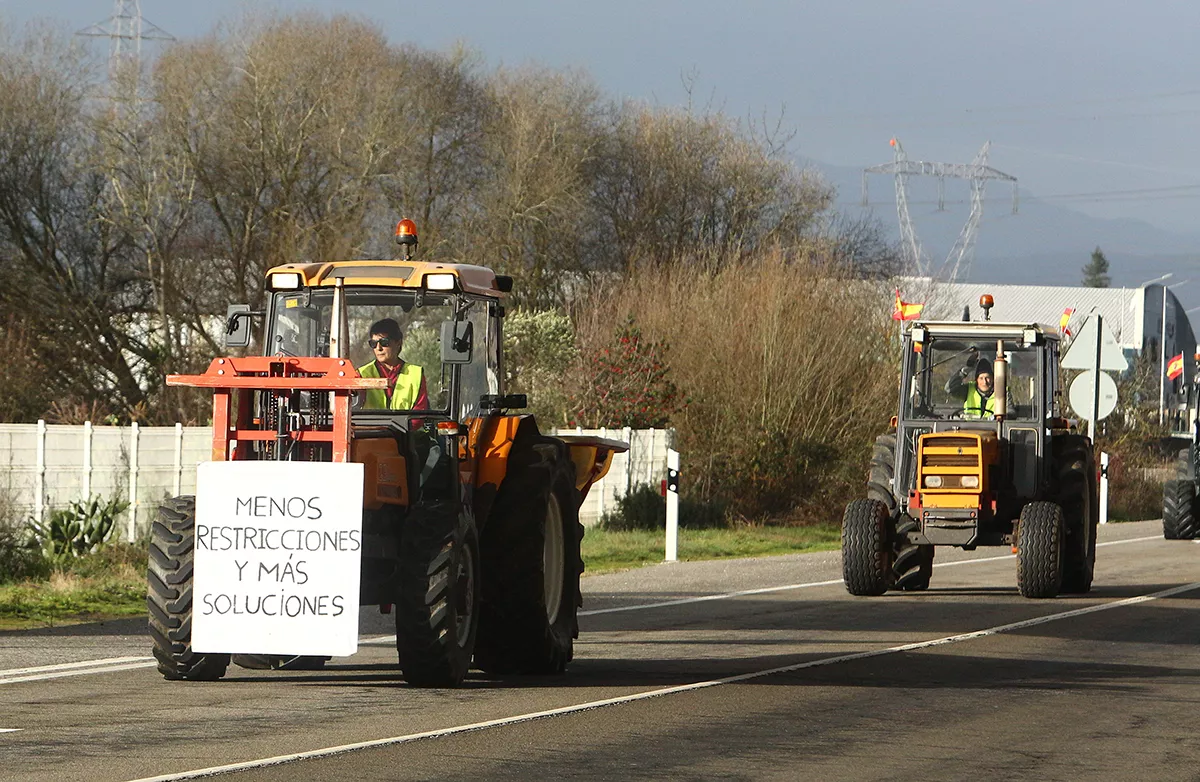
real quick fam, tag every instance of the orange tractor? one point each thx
(340, 478)
(981, 454)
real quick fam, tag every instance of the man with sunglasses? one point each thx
(406, 383)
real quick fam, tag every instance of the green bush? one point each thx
(20, 558)
(644, 508)
(77, 530)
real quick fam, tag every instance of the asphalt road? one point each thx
(744, 669)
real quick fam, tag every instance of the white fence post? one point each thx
(672, 544)
(39, 478)
(650, 458)
(627, 436)
(600, 487)
(178, 482)
(1103, 488)
(87, 460)
(131, 527)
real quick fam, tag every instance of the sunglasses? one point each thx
(383, 343)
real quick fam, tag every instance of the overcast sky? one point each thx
(1077, 96)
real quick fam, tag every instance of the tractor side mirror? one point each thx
(237, 325)
(456, 347)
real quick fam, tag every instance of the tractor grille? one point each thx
(952, 441)
(951, 460)
(950, 451)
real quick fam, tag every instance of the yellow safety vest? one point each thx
(404, 395)
(976, 407)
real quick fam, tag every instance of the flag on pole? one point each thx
(1064, 320)
(1175, 367)
(906, 310)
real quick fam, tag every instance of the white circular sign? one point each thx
(1082, 394)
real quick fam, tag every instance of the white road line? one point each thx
(580, 707)
(10, 730)
(69, 666)
(389, 640)
(81, 672)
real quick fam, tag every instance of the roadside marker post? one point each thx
(1103, 488)
(672, 505)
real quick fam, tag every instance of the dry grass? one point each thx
(789, 369)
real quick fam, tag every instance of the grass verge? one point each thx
(606, 552)
(68, 599)
(108, 584)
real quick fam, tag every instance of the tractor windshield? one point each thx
(301, 327)
(955, 378)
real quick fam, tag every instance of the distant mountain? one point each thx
(1044, 243)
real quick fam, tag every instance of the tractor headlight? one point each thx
(441, 282)
(285, 281)
(933, 481)
(970, 481)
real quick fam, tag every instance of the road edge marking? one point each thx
(69, 666)
(661, 692)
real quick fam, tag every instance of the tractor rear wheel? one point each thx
(913, 565)
(867, 548)
(1040, 550)
(1075, 470)
(169, 595)
(532, 564)
(1179, 502)
(438, 597)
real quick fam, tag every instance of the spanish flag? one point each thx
(1175, 367)
(1064, 320)
(905, 310)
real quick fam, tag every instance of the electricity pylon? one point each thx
(977, 172)
(126, 29)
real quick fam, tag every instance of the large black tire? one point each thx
(1180, 519)
(1040, 549)
(882, 472)
(913, 564)
(532, 564)
(1075, 473)
(169, 595)
(437, 604)
(867, 548)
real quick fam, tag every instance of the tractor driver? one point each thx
(978, 398)
(406, 382)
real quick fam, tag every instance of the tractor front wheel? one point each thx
(1040, 550)
(169, 595)
(438, 599)
(913, 562)
(867, 548)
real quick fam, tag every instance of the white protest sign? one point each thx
(278, 552)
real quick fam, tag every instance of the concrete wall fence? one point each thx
(46, 466)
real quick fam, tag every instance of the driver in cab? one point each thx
(978, 396)
(406, 383)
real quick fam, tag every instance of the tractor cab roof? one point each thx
(391, 273)
(985, 329)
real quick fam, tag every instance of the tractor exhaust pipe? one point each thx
(1000, 378)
